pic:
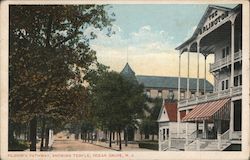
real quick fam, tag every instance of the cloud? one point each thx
(149, 52)
(144, 41)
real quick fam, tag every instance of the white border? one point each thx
(244, 154)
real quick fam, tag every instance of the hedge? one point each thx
(149, 145)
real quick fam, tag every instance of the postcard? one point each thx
(124, 80)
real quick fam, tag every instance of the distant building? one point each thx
(166, 87)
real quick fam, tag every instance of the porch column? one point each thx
(178, 123)
(219, 134)
(232, 57)
(179, 92)
(198, 68)
(231, 127)
(159, 139)
(204, 130)
(205, 72)
(188, 95)
(232, 80)
(179, 78)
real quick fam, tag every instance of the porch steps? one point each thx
(207, 146)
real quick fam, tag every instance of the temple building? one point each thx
(217, 116)
(167, 87)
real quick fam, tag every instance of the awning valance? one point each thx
(218, 109)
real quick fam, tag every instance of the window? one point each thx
(182, 94)
(171, 94)
(225, 52)
(240, 77)
(159, 93)
(238, 80)
(227, 84)
(222, 85)
(164, 133)
(167, 133)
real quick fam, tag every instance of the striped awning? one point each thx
(218, 109)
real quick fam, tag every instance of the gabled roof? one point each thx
(172, 82)
(202, 21)
(170, 114)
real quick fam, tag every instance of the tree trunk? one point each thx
(120, 146)
(85, 136)
(33, 126)
(110, 139)
(153, 137)
(42, 134)
(126, 137)
(117, 139)
(91, 134)
(88, 136)
(47, 139)
(141, 136)
(11, 132)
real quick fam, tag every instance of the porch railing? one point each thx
(211, 96)
(225, 61)
(164, 145)
(225, 135)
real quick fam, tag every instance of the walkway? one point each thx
(76, 145)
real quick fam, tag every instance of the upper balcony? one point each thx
(225, 61)
(236, 91)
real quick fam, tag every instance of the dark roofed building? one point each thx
(166, 87)
(172, 82)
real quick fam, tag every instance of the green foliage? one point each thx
(149, 145)
(18, 145)
(49, 56)
(118, 101)
(149, 124)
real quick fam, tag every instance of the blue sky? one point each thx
(148, 34)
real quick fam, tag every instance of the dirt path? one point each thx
(76, 145)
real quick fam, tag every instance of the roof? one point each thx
(207, 111)
(168, 112)
(172, 82)
(203, 20)
(128, 72)
(171, 108)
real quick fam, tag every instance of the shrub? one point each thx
(149, 145)
(18, 145)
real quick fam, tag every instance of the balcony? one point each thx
(236, 91)
(225, 61)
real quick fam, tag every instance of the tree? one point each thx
(49, 54)
(118, 102)
(149, 125)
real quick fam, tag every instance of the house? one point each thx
(218, 115)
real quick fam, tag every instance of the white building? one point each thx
(217, 116)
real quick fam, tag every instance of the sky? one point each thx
(146, 36)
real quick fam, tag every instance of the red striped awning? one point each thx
(206, 111)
